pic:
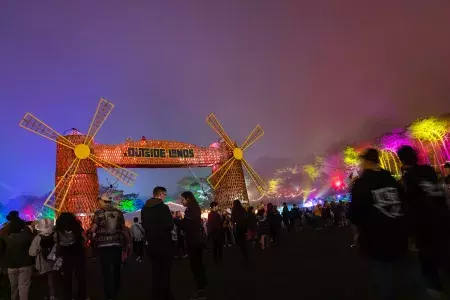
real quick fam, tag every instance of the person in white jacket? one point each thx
(138, 234)
(40, 248)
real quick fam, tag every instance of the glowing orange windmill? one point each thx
(228, 180)
(78, 162)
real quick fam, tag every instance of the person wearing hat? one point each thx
(112, 241)
(215, 231)
(17, 260)
(376, 209)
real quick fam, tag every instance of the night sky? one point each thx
(312, 73)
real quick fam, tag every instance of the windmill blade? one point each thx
(253, 137)
(260, 184)
(215, 178)
(104, 108)
(124, 175)
(56, 201)
(214, 123)
(33, 124)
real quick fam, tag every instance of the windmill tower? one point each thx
(76, 188)
(228, 180)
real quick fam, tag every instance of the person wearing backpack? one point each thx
(40, 248)
(138, 234)
(69, 255)
(111, 237)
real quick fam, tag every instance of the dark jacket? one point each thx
(427, 207)
(251, 221)
(16, 250)
(286, 214)
(157, 222)
(239, 216)
(274, 218)
(214, 223)
(191, 226)
(377, 209)
(295, 213)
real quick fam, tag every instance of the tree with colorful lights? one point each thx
(312, 171)
(274, 186)
(433, 131)
(199, 187)
(351, 159)
(389, 144)
(130, 205)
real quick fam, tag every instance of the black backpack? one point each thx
(47, 242)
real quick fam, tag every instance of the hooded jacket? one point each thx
(377, 209)
(157, 222)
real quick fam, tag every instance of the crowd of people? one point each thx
(388, 217)
(58, 250)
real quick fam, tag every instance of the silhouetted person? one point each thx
(238, 216)
(286, 217)
(17, 260)
(157, 222)
(377, 211)
(215, 231)
(429, 215)
(274, 219)
(191, 225)
(70, 239)
(138, 234)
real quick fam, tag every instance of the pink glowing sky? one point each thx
(312, 73)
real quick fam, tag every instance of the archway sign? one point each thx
(78, 157)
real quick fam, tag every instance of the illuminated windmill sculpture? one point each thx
(76, 188)
(228, 180)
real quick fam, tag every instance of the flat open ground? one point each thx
(306, 265)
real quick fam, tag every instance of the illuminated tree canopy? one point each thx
(431, 129)
(394, 140)
(274, 186)
(198, 186)
(351, 157)
(312, 171)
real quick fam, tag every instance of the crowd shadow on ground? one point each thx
(305, 265)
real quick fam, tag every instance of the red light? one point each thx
(338, 183)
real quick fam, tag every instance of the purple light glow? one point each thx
(394, 140)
